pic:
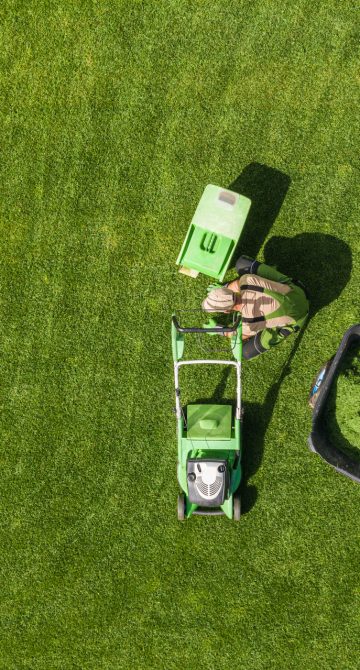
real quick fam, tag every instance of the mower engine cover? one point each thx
(208, 481)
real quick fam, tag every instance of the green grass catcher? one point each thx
(209, 436)
(213, 233)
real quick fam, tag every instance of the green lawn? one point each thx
(114, 116)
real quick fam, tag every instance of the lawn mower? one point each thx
(209, 435)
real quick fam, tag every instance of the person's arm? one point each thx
(269, 272)
(245, 265)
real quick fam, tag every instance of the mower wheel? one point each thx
(236, 507)
(181, 507)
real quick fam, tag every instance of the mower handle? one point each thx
(217, 329)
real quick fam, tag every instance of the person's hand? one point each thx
(232, 334)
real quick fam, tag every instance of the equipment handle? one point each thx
(218, 329)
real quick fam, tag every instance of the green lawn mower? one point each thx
(209, 435)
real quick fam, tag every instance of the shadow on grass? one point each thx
(267, 188)
(323, 263)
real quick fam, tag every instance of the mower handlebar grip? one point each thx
(222, 329)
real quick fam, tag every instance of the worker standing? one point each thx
(272, 305)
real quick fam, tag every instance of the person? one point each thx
(272, 305)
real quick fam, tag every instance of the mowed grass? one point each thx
(115, 115)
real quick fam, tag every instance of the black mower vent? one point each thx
(209, 490)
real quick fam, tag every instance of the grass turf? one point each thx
(343, 406)
(114, 117)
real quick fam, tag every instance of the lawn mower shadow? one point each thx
(256, 420)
